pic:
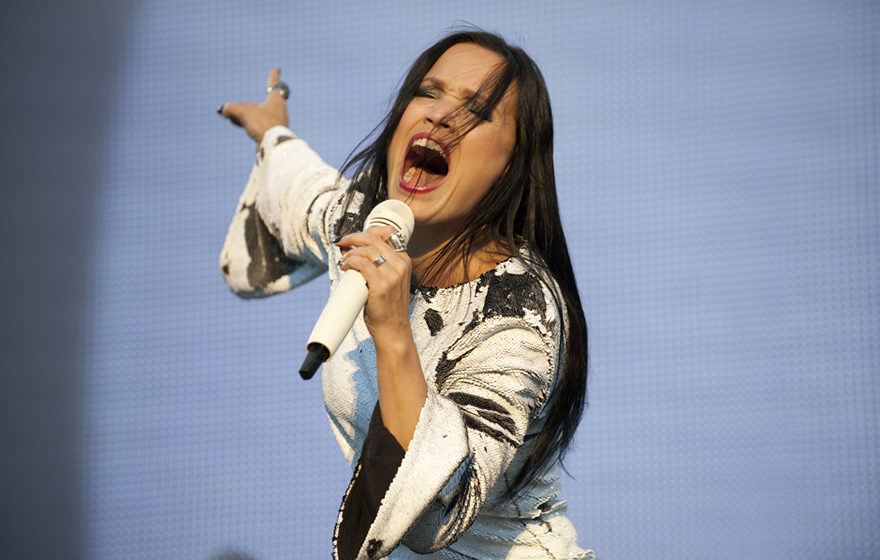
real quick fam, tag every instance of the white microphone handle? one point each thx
(350, 294)
(345, 303)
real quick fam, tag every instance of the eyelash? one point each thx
(427, 92)
(475, 108)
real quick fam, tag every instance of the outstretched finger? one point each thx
(276, 89)
(274, 76)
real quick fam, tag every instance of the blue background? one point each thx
(718, 174)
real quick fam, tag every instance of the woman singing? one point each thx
(456, 393)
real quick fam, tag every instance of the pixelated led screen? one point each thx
(717, 170)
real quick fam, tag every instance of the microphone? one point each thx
(350, 294)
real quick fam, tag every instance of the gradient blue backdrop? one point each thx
(717, 167)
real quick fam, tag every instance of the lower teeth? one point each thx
(409, 174)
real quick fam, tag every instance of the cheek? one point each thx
(496, 157)
(400, 137)
(395, 153)
(497, 146)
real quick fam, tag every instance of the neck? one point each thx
(426, 246)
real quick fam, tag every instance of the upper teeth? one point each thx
(429, 144)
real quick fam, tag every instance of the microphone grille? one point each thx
(392, 213)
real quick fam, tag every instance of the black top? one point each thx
(380, 458)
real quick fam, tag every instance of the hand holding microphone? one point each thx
(390, 293)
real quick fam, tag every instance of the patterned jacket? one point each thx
(490, 351)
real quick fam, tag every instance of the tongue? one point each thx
(420, 177)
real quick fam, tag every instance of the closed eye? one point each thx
(430, 92)
(479, 110)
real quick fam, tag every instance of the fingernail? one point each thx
(220, 109)
(337, 240)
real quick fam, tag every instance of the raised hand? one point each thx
(257, 118)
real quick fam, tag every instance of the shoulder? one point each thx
(520, 289)
(512, 311)
(509, 341)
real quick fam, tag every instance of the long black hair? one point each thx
(521, 211)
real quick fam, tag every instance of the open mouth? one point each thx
(426, 164)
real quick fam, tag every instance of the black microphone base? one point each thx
(317, 355)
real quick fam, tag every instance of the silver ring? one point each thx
(279, 87)
(379, 260)
(396, 240)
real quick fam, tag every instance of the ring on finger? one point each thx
(379, 260)
(396, 240)
(281, 88)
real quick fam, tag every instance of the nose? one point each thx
(440, 115)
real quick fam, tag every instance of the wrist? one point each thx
(270, 137)
(393, 340)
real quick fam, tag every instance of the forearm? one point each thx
(277, 238)
(402, 387)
